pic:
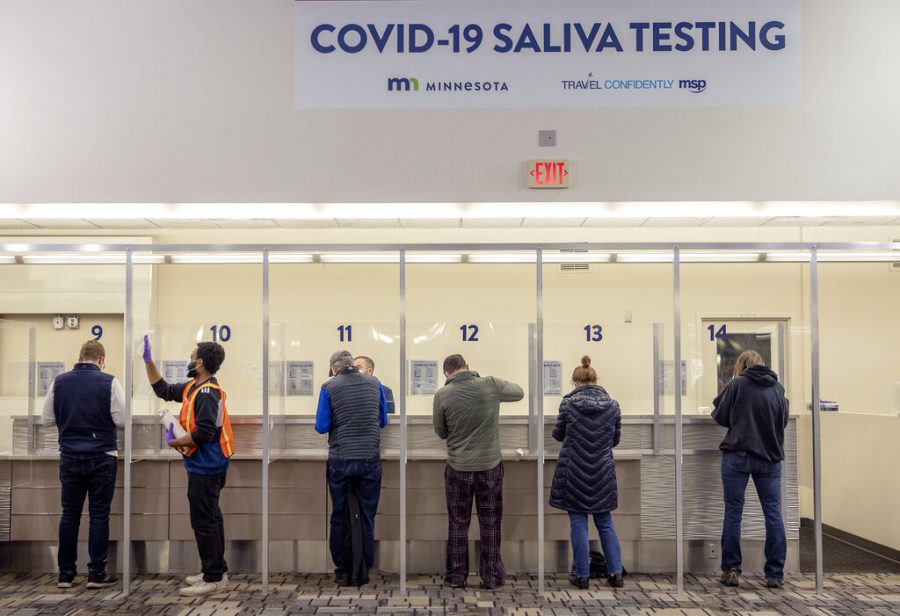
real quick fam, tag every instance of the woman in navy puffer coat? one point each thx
(589, 426)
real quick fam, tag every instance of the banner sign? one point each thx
(448, 54)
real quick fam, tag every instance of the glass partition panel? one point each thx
(614, 307)
(53, 304)
(480, 305)
(179, 301)
(859, 300)
(320, 304)
(735, 302)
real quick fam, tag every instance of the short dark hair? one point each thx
(212, 355)
(369, 363)
(91, 350)
(453, 363)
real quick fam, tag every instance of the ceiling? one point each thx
(440, 223)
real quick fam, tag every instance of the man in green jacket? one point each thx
(467, 415)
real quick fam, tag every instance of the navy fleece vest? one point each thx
(81, 404)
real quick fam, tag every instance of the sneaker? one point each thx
(196, 579)
(732, 577)
(580, 582)
(616, 581)
(101, 580)
(65, 581)
(774, 583)
(202, 589)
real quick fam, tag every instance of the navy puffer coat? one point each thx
(589, 426)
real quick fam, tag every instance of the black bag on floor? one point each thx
(598, 565)
(354, 542)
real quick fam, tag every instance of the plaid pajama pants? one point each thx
(487, 489)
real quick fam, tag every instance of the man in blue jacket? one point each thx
(86, 405)
(352, 410)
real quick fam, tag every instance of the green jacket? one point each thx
(467, 415)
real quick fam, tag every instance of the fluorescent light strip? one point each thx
(644, 257)
(360, 258)
(787, 257)
(433, 258)
(499, 257)
(275, 257)
(724, 257)
(213, 258)
(576, 257)
(859, 257)
(6, 259)
(89, 259)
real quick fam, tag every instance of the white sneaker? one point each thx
(202, 589)
(196, 579)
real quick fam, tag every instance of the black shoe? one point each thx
(774, 583)
(342, 581)
(359, 582)
(580, 582)
(101, 580)
(454, 584)
(65, 580)
(616, 581)
(492, 586)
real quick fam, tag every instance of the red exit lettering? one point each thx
(548, 173)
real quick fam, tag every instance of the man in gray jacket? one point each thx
(467, 415)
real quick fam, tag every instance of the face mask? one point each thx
(192, 370)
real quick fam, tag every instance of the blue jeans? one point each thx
(91, 475)
(581, 546)
(737, 469)
(365, 477)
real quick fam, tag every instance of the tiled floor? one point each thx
(26, 595)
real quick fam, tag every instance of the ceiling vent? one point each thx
(574, 267)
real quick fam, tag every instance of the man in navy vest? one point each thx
(86, 405)
(352, 410)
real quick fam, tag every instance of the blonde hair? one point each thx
(584, 374)
(747, 359)
(91, 351)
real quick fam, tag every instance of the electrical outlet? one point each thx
(712, 550)
(59, 322)
(72, 322)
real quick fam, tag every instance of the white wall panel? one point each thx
(193, 101)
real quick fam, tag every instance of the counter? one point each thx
(162, 540)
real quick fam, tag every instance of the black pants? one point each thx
(91, 475)
(207, 522)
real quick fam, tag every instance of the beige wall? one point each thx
(860, 475)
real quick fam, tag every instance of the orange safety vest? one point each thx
(189, 423)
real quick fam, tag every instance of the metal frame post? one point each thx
(539, 378)
(657, 385)
(32, 387)
(267, 428)
(816, 424)
(129, 392)
(403, 443)
(679, 480)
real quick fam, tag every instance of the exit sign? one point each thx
(548, 173)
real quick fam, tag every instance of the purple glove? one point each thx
(170, 434)
(147, 357)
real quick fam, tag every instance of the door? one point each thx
(725, 339)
